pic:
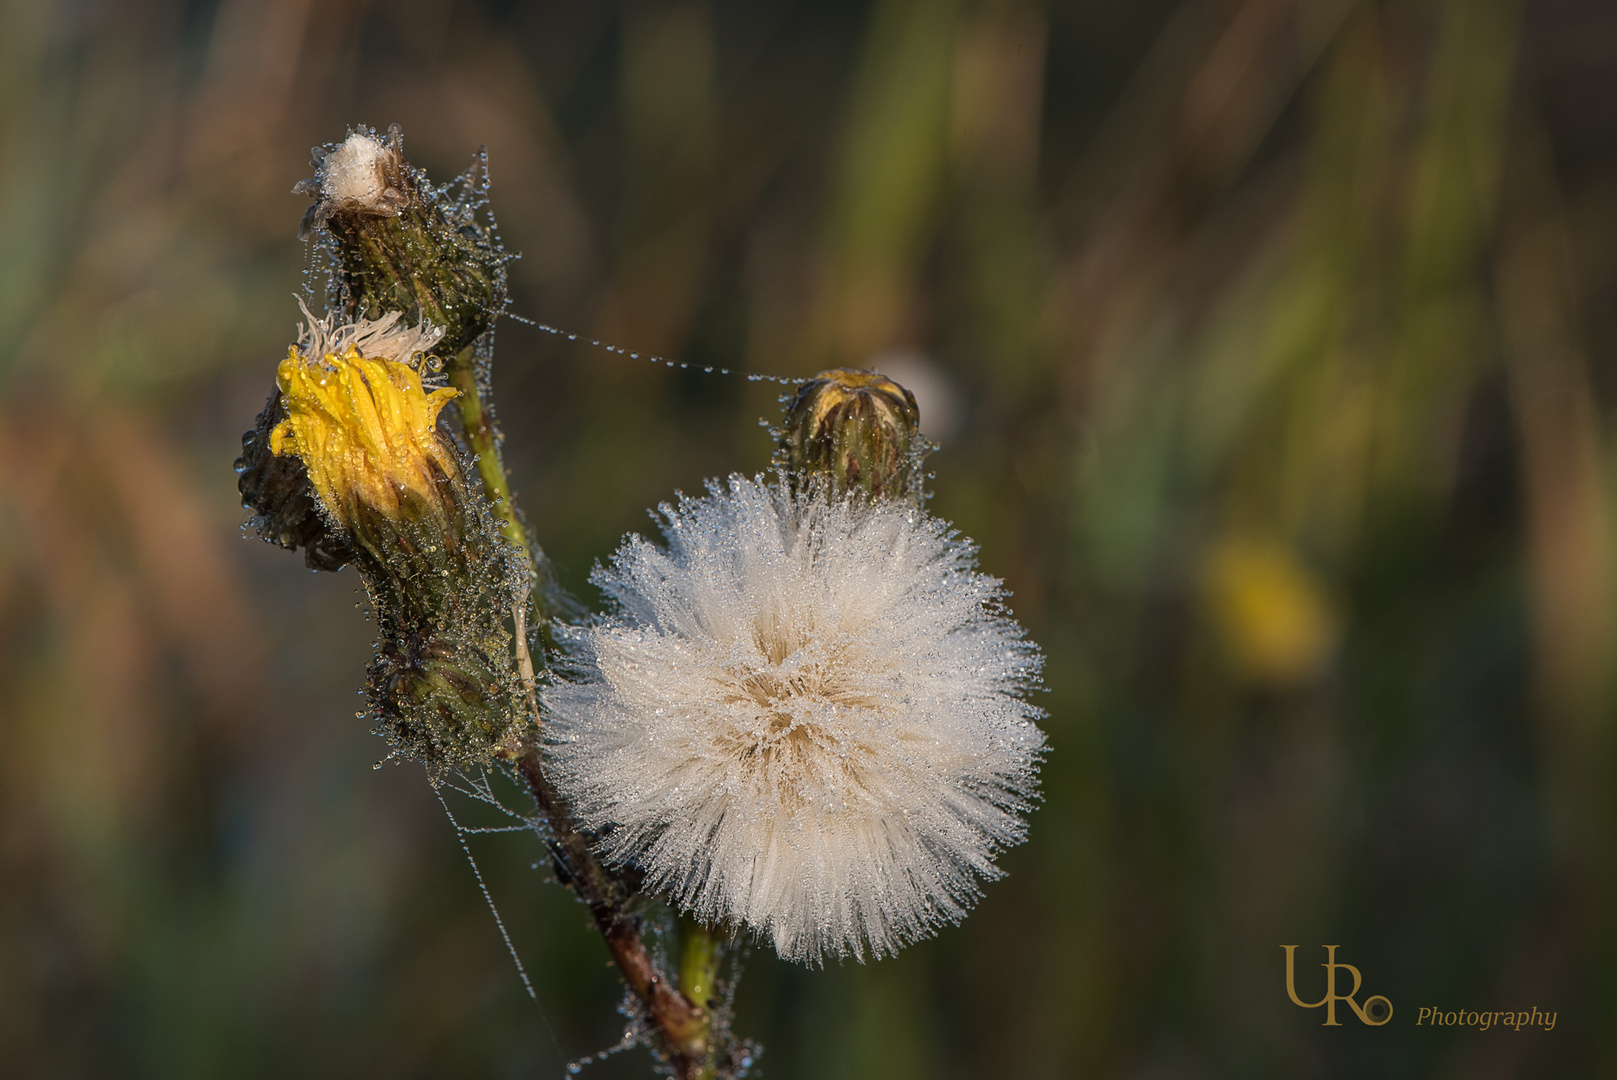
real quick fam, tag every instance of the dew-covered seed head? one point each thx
(802, 717)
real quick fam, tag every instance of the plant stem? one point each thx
(698, 960)
(698, 971)
(683, 1024)
(483, 440)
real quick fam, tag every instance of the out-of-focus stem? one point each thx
(698, 970)
(698, 959)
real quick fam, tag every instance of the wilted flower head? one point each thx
(363, 174)
(361, 420)
(805, 717)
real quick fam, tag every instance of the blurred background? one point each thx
(1269, 345)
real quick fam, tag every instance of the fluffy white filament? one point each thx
(803, 717)
(354, 173)
(377, 339)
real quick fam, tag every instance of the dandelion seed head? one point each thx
(804, 717)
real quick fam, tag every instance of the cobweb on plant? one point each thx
(480, 789)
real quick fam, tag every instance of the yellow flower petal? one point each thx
(366, 431)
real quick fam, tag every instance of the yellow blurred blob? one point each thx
(365, 430)
(1271, 614)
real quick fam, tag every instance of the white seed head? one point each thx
(804, 717)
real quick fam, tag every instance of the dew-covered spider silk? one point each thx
(805, 717)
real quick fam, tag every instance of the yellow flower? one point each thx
(1271, 612)
(365, 430)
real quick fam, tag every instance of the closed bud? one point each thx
(857, 431)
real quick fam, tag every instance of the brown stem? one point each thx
(683, 1025)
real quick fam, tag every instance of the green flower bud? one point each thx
(857, 430)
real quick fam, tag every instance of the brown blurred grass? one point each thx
(1256, 316)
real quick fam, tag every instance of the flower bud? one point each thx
(856, 429)
(366, 432)
(440, 577)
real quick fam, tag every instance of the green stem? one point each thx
(698, 961)
(698, 970)
(483, 440)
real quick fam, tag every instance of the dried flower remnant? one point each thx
(361, 174)
(806, 717)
